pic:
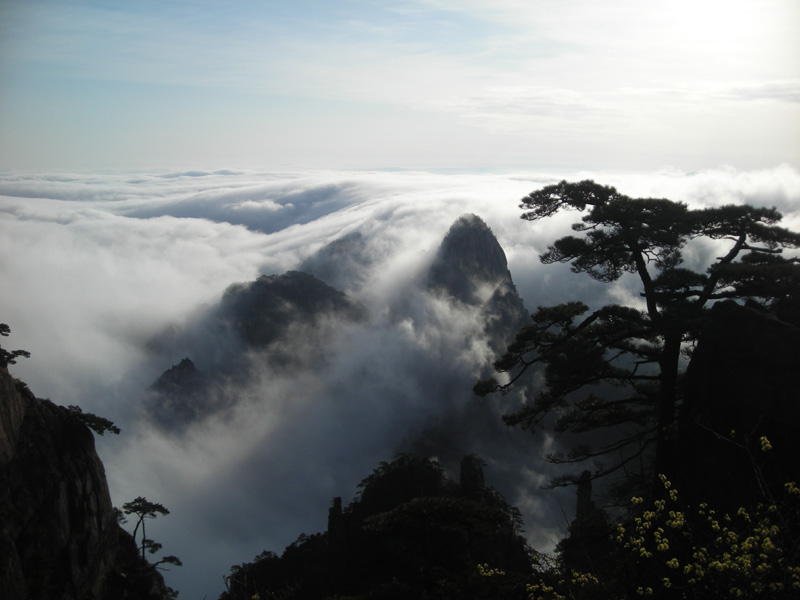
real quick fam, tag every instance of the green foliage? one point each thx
(97, 424)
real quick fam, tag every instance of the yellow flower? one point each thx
(765, 445)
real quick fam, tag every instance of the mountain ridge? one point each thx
(264, 315)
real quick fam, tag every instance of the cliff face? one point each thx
(59, 536)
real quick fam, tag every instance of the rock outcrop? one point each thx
(59, 536)
(469, 259)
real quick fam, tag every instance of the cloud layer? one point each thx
(94, 266)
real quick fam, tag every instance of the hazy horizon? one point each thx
(410, 84)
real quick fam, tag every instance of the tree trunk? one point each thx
(668, 396)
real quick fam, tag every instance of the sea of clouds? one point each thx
(95, 266)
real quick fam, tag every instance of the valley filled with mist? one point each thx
(265, 339)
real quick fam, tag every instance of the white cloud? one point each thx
(94, 265)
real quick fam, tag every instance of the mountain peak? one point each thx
(262, 310)
(469, 258)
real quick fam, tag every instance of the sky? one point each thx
(421, 84)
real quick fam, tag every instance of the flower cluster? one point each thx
(486, 571)
(672, 551)
(564, 585)
(746, 554)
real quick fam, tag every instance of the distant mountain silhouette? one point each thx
(182, 394)
(262, 315)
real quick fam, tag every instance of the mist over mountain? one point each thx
(110, 280)
(262, 312)
(344, 263)
(258, 317)
(260, 323)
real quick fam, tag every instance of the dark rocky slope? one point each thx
(261, 312)
(741, 384)
(411, 533)
(59, 537)
(344, 263)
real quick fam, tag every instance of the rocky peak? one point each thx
(265, 315)
(471, 267)
(470, 262)
(181, 375)
(180, 395)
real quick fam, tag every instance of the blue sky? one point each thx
(506, 84)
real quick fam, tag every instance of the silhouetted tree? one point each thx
(636, 350)
(144, 509)
(8, 357)
(97, 424)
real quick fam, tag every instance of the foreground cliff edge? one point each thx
(59, 534)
